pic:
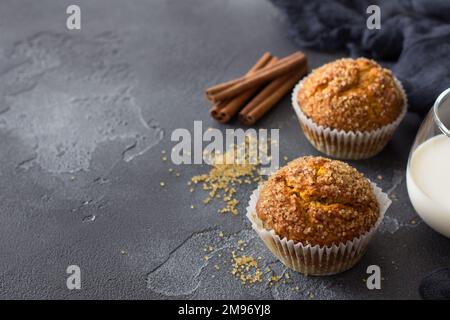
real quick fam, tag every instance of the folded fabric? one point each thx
(414, 39)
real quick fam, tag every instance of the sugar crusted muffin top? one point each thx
(317, 201)
(351, 95)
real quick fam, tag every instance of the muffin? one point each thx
(349, 108)
(317, 215)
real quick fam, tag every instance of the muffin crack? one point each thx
(317, 199)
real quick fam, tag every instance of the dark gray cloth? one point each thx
(414, 39)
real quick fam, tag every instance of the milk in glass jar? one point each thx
(428, 170)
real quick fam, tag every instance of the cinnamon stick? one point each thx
(265, 58)
(236, 104)
(212, 91)
(214, 111)
(270, 95)
(225, 110)
(260, 77)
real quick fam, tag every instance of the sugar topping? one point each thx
(315, 200)
(351, 95)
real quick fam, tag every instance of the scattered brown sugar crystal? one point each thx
(274, 279)
(317, 201)
(221, 183)
(351, 95)
(227, 174)
(246, 269)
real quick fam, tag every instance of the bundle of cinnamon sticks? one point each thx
(254, 94)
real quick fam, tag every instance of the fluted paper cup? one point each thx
(316, 260)
(347, 144)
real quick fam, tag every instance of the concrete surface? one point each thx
(84, 118)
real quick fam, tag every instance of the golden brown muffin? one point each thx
(315, 200)
(351, 95)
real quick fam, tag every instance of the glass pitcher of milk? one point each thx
(428, 171)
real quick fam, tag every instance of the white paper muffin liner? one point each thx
(316, 260)
(347, 144)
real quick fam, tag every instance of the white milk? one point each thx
(428, 182)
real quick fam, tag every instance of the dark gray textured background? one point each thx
(84, 117)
